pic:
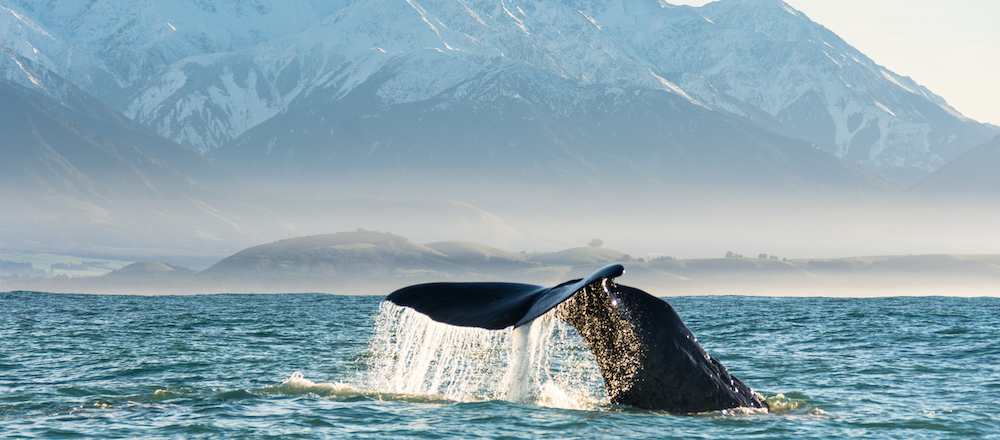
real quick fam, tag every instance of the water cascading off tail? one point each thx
(545, 363)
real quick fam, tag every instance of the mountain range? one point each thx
(206, 73)
(83, 170)
(80, 177)
(191, 123)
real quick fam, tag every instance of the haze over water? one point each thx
(315, 366)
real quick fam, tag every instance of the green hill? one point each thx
(577, 256)
(470, 250)
(150, 268)
(323, 260)
(377, 263)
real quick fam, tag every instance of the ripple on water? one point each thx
(257, 366)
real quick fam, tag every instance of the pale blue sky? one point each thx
(952, 47)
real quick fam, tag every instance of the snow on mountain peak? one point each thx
(205, 72)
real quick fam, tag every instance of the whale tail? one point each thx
(647, 356)
(493, 306)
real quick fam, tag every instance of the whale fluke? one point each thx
(647, 356)
(492, 306)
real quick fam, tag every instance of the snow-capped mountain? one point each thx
(113, 48)
(441, 44)
(515, 133)
(138, 39)
(814, 84)
(32, 57)
(207, 73)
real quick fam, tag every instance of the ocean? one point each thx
(327, 366)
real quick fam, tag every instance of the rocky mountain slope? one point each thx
(85, 174)
(205, 74)
(498, 136)
(79, 177)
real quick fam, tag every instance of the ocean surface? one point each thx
(325, 366)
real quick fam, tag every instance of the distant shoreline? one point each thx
(376, 263)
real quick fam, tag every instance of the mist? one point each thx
(648, 219)
(659, 133)
(672, 241)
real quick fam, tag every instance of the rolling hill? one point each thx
(376, 263)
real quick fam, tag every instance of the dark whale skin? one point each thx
(492, 306)
(648, 357)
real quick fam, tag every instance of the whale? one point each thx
(648, 358)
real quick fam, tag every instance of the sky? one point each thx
(952, 47)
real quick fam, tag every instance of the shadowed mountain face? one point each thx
(499, 134)
(975, 173)
(84, 173)
(85, 177)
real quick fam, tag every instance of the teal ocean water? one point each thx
(325, 366)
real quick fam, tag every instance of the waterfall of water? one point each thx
(545, 362)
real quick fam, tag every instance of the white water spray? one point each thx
(545, 362)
